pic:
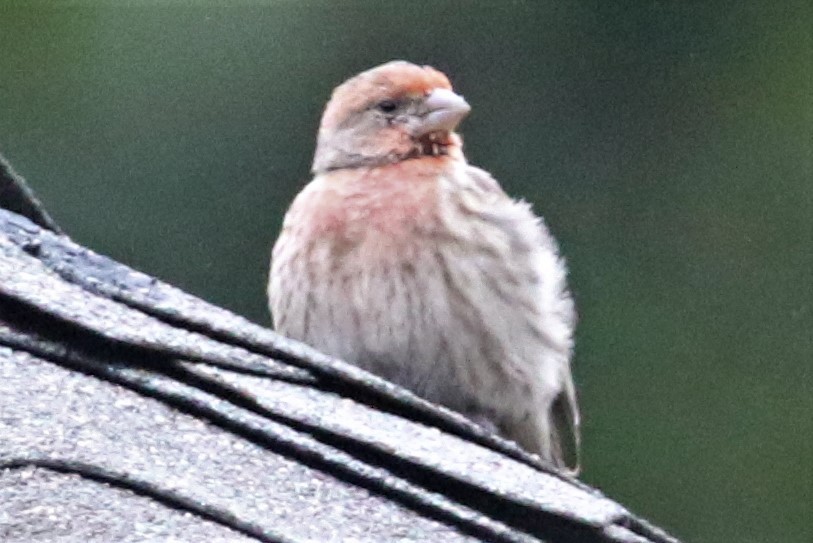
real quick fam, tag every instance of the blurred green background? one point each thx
(668, 144)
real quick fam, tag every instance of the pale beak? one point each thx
(445, 110)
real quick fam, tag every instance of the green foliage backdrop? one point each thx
(668, 144)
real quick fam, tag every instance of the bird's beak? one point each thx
(444, 111)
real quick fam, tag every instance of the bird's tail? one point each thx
(565, 429)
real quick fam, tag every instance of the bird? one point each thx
(402, 258)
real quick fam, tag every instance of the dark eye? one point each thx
(387, 106)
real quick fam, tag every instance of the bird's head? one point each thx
(396, 111)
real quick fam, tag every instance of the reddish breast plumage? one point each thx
(387, 199)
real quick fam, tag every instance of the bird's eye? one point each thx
(387, 106)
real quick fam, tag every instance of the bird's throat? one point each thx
(433, 144)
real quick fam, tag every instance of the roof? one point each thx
(133, 411)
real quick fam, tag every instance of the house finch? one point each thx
(403, 259)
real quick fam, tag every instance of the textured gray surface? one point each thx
(44, 506)
(145, 439)
(131, 411)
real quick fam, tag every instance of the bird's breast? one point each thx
(376, 213)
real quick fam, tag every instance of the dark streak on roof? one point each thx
(134, 411)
